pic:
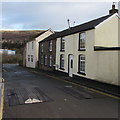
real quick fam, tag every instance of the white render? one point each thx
(99, 65)
(34, 51)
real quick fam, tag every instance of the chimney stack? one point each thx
(113, 10)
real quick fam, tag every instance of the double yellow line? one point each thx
(91, 89)
(2, 101)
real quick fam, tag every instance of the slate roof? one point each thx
(83, 27)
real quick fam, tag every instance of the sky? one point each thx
(49, 15)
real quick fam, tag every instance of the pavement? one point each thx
(33, 94)
(1, 98)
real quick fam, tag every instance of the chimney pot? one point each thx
(113, 10)
(113, 6)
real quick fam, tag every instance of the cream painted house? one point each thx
(91, 50)
(32, 49)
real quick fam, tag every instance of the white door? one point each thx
(71, 65)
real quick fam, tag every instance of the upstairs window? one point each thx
(32, 45)
(62, 44)
(82, 37)
(41, 47)
(50, 45)
(45, 59)
(61, 61)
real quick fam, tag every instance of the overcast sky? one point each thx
(54, 15)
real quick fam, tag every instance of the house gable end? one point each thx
(114, 15)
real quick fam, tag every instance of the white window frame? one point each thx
(41, 47)
(42, 59)
(50, 45)
(82, 40)
(28, 58)
(62, 45)
(50, 58)
(32, 45)
(82, 63)
(62, 61)
(45, 59)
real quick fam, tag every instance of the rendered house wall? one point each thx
(34, 51)
(99, 65)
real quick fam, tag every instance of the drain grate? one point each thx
(20, 96)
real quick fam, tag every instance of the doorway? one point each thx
(70, 67)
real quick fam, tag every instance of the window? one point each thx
(32, 45)
(62, 44)
(50, 45)
(28, 58)
(50, 60)
(42, 59)
(82, 64)
(31, 58)
(45, 59)
(62, 61)
(82, 37)
(42, 47)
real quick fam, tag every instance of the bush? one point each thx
(11, 59)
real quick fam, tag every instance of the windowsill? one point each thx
(62, 50)
(61, 68)
(81, 49)
(81, 73)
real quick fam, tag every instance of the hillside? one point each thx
(15, 40)
(19, 36)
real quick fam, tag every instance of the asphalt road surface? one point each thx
(31, 95)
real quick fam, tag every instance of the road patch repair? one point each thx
(20, 96)
(88, 86)
(80, 93)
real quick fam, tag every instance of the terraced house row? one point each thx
(90, 50)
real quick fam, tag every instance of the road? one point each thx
(31, 95)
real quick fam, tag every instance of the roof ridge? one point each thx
(88, 22)
(79, 28)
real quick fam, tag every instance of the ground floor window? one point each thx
(42, 59)
(28, 58)
(50, 60)
(81, 68)
(61, 61)
(45, 59)
(31, 58)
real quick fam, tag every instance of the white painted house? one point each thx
(32, 48)
(91, 50)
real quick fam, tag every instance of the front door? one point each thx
(71, 65)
